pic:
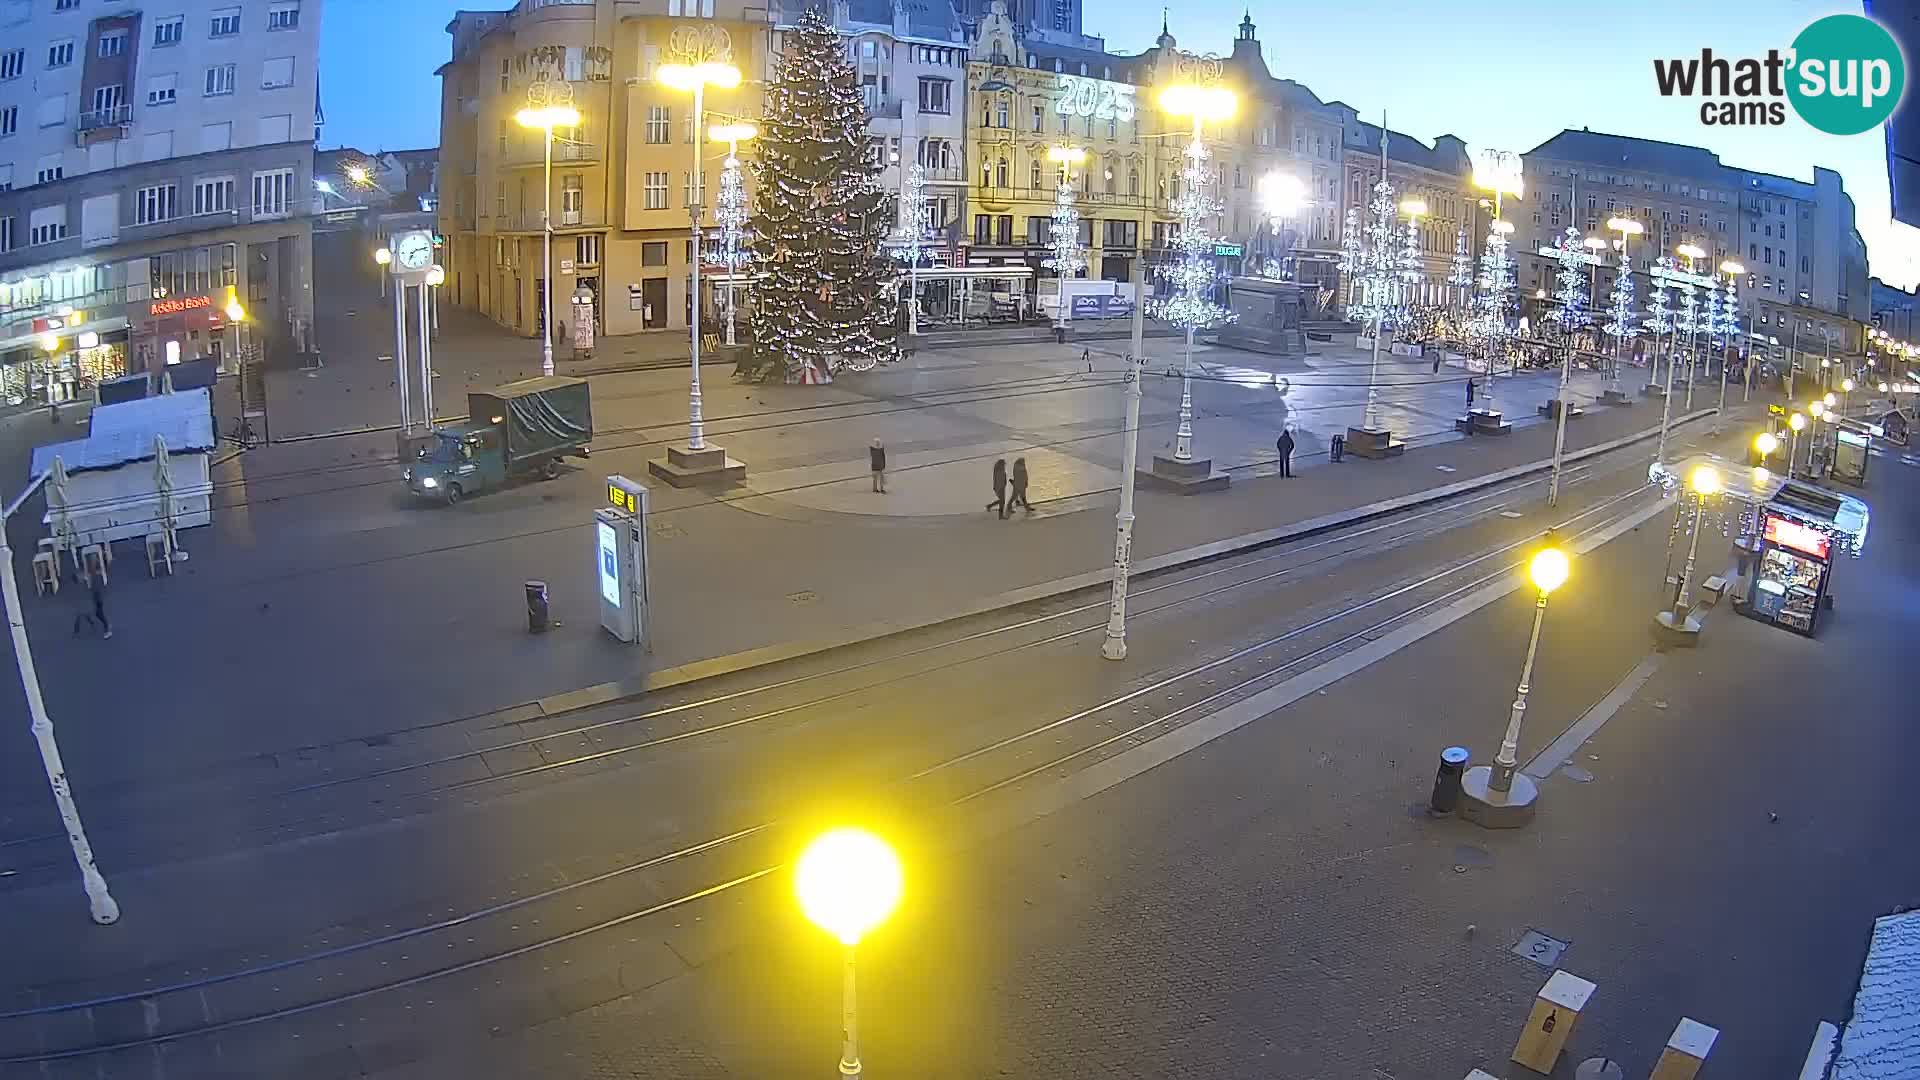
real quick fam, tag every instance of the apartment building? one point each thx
(911, 62)
(155, 167)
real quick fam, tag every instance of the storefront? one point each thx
(170, 329)
(61, 359)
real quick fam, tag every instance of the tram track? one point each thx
(256, 1004)
(1007, 637)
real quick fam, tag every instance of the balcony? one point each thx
(889, 109)
(521, 155)
(110, 122)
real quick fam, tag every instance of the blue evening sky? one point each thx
(1500, 73)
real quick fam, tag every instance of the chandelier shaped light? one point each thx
(1190, 273)
(1571, 282)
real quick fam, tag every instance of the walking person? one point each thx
(98, 615)
(999, 488)
(1284, 444)
(1437, 357)
(877, 458)
(1019, 486)
(1469, 393)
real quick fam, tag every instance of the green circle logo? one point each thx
(1847, 74)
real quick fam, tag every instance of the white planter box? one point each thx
(1362, 341)
(1401, 348)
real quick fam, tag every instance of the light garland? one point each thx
(1572, 282)
(1191, 274)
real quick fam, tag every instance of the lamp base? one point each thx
(1490, 809)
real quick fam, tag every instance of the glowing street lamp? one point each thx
(1679, 623)
(382, 256)
(545, 114)
(359, 175)
(730, 206)
(1627, 228)
(1509, 794)
(696, 77)
(1201, 104)
(848, 881)
(1795, 423)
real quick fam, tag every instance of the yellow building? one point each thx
(622, 182)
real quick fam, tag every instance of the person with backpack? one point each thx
(1284, 444)
(877, 460)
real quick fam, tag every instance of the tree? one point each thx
(819, 218)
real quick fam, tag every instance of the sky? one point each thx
(1497, 73)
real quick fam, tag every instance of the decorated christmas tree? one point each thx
(819, 217)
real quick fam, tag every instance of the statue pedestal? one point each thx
(1266, 318)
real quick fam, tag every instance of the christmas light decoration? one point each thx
(1460, 273)
(730, 212)
(1571, 279)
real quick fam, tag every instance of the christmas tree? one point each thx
(819, 218)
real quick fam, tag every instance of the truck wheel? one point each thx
(453, 494)
(551, 470)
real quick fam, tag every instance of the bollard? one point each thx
(537, 608)
(1336, 448)
(1446, 781)
(1550, 1024)
(1686, 1051)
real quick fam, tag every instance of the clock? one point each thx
(413, 251)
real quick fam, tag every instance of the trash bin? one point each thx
(1337, 448)
(537, 609)
(1446, 782)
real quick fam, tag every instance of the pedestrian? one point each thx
(877, 458)
(999, 487)
(1020, 486)
(98, 616)
(1284, 444)
(1437, 357)
(1469, 394)
(1086, 357)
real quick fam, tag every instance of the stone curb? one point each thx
(732, 663)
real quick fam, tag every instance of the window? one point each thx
(1000, 174)
(168, 31)
(12, 63)
(273, 193)
(1766, 256)
(112, 43)
(653, 253)
(1038, 116)
(572, 199)
(1119, 234)
(156, 203)
(1033, 175)
(982, 229)
(1039, 231)
(6, 234)
(219, 80)
(60, 54)
(696, 187)
(283, 15)
(656, 191)
(586, 249)
(1753, 251)
(1000, 113)
(275, 129)
(52, 167)
(47, 225)
(1804, 265)
(276, 72)
(936, 96)
(224, 22)
(1133, 182)
(161, 89)
(9, 120)
(213, 195)
(506, 74)
(1003, 229)
(659, 124)
(106, 103)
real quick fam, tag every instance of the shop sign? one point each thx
(174, 305)
(1797, 536)
(1229, 251)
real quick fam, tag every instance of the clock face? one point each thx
(415, 251)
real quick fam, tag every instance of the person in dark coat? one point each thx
(98, 616)
(1469, 395)
(877, 458)
(1284, 444)
(999, 487)
(1019, 486)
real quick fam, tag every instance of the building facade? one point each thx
(1439, 176)
(155, 169)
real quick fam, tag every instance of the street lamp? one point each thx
(1679, 622)
(696, 78)
(359, 175)
(1281, 196)
(1547, 570)
(730, 206)
(848, 881)
(1795, 423)
(1500, 172)
(1691, 252)
(1067, 258)
(547, 109)
(1733, 268)
(1627, 228)
(1201, 104)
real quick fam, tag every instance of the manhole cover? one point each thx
(1598, 1069)
(804, 596)
(1540, 948)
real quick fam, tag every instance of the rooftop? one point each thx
(1624, 151)
(1882, 1038)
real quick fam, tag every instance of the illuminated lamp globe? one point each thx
(1796, 421)
(1704, 480)
(848, 881)
(1766, 443)
(1846, 386)
(235, 312)
(382, 256)
(1829, 400)
(1548, 569)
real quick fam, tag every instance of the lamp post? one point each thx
(384, 258)
(1115, 645)
(1764, 445)
(848, 881)
(1846, 387)
(697, 77)
(1201, 103)
(1281, 196)
(1689, 252)
(1622, 298)
(1068, 259)
(549, 105)
(1500, 796)
(1500, 172)
(730, 206)
(1733, 269)
(1678, 624)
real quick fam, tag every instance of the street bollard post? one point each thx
(538, 610)
(1686, 1051)
(1446, 781)
(1550, 1025)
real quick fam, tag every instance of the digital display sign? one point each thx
(609, 563)
(1799, 537)
(622, 499)
(1077, 96)
(174, 305)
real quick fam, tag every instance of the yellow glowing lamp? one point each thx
(1761, 476)
(1766, 443)
(1067, 155)
(1796, 421)
(235, 312)
(382, 256)
(1732, 268)
(50, 342)
(1846, 386)
(848, 881)
(690, 76)
(1704, 480)
(732, 133)
(1829, 400)
(1548, 569)
(1817, 409)
(1626, 226)
(357, 173)
(436, 274)
(1200, 102)
(1414, 207)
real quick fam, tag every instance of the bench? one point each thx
(1712, 589)
(159, 551)
(46, 573)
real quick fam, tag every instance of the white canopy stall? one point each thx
(143, 467)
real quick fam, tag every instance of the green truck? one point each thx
(521, 429)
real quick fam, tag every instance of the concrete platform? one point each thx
(1483, 422)
(1671, 632)
(1374, 443)
(1490, 809)
(685, 467)
(1653, 390)
(1615, 397)
(1185, 477)
(1550, 409)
